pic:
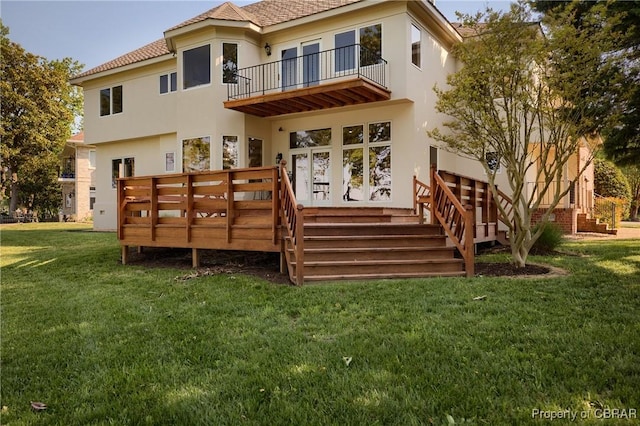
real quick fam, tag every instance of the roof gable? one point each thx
(225, 12)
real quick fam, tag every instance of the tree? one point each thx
(609, 181)
(38, 109)
(521, 98)
(632, 173)
(619, 94)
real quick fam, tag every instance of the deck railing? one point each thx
(456, 220)
(308, 70)
(293, 221)
(231, 209)
(421, 198)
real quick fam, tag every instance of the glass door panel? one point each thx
(311, 64)
(301, 181)
(289, 68)
(321, 176)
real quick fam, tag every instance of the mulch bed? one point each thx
(266, 265)
(508, 270)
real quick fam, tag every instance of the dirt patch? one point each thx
(213, 262)
(267, 265)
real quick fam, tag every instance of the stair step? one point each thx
(391, 275)
(360, 229)
(375, 253)
(366, 241)
(378, 267)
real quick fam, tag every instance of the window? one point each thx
(255, 152)
(309, 138)
(111, 101)
(168, 82)
(196, 65)
(92, 159)
(229, 152)
(121, 167)
(196, 154)
(169, 161)
(493, 161)
(415, 45)
(366, 155)
(229, 63)
(370, 45)
(345, 50)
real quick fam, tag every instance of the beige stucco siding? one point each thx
(144, 111)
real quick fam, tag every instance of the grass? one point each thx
(101, 343)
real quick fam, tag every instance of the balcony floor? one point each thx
(313, 98)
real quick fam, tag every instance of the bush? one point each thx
(549, 240)
(610, 210)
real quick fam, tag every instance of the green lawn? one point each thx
(101, 343)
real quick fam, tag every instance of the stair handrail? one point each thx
(293, 220)
(506, 207)
(421, 197)
(456, 219)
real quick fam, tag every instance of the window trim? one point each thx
(182, 152)
(357, 53)
(366, 146)
(111, 98)
(168, 75)
(182, 86)
(238, 149)
(417, 27)
(222, 61)
(114, 184)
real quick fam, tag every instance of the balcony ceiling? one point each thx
(314, 98)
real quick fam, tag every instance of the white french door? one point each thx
(312, 176)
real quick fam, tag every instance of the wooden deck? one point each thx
(224, 210)
(255, 210)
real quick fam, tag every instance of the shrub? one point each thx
(610, 210)
(549, 240)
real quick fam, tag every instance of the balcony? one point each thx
(333, 78)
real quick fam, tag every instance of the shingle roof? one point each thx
(263, 13)
(78, 137)
(225, 12)
(468, 31)
(271, 12)
(150, 51)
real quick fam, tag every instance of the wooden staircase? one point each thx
(371, 244)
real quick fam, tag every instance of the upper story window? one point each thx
(111, 101)
(168, 82)
(229, 63)
(345, 50)
(92, 159)
(415, 45)
(196, 67)
(370, 39)
(370, 44)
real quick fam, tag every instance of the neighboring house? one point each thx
(77, 177)
(341, 89)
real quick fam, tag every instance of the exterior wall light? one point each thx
(267, 48)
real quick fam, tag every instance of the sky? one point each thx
(93, 32)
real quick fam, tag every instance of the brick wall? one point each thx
(566, 219)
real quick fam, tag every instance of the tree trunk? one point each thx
(13, 200)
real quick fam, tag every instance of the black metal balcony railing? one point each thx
(308, 70)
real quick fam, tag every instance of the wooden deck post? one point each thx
(124, 251)
(195, 258)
